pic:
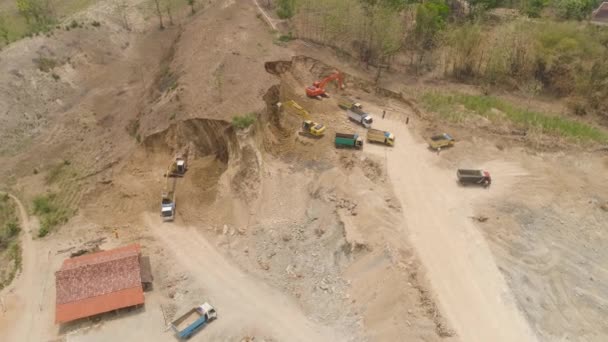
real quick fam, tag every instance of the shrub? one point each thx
(286, 37)
(45, 64)
(242, 122)
(286, 8)
(74, 24)
(96, 23)
(447, 106)
(11, 229)
(50, 212)
(42, 205)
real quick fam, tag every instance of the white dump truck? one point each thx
(356, 114)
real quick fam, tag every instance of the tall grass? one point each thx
(51, 213)
(456, 107)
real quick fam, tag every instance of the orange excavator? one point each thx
(318, 87)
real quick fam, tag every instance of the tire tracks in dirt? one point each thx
(472, 293)
(243, 302)
(23, 297)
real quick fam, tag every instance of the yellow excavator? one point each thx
(309, 127)
(312, 129)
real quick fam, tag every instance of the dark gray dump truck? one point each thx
(474, 177)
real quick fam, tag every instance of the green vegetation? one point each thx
(286, 8)
(10, 253)
(51, 212)
(25, 18)
(547, 56)
(11, 264)
(9, 223)
(456, 107)
(566, 58)
(285, 37)
(45, 64)
(244, 121)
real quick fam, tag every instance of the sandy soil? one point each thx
(287, 236)
(247, 305)
(25, 300)
(459, 263)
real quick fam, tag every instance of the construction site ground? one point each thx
(289, 238)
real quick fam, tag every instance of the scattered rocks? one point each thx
(263, 265)
(350, 206)
(480, 218)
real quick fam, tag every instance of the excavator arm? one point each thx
(318, 87)
(335, 76)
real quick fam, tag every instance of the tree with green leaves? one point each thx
(37, 13)
(286, 8)
(431, 17)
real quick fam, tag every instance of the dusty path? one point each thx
(472, 293)
(22, 299)
(244, 304)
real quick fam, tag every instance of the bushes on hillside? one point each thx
(244, 121)
(567, 58)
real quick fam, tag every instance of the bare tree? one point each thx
(159, 14)
(168, 8)
(191, 3)
(122, 12)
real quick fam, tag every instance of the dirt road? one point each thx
(471, 292)
(245, 305)
(23, 298)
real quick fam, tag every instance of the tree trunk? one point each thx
(169, 15)
(160, 15)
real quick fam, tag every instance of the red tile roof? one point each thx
(99, 282)
(601, 14)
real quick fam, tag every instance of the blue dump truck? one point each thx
(192, 321)
(348, 140)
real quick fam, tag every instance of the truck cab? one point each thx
(360, 117)
(167, 208)
(192, 321)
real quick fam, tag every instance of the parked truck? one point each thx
(167, 204)
(378, 136)
(359, 116)
(192, 321)
(474, 177)
(348, 140)
(348, 103)
(439, 141)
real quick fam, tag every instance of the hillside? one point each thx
(288, 235)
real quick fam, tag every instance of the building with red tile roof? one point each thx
(100, 282)
(601, 14)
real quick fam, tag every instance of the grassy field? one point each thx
(456, 107)
(17, 25)
(56, 208)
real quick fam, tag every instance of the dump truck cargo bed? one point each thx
(473, 176)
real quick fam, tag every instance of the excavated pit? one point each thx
(201, 137)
